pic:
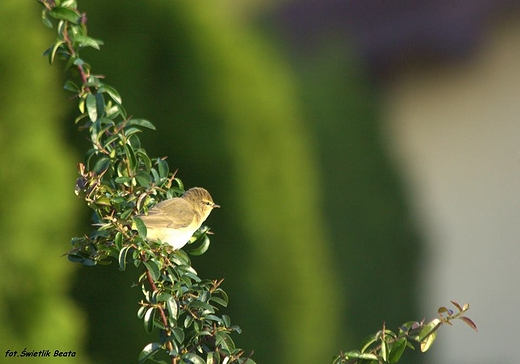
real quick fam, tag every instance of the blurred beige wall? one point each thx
(455, 132)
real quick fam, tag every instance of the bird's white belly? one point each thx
(174, 237)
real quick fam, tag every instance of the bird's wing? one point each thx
(158, 216)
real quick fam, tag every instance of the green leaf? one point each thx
(143, 179)
(45, 19)
(153, 268)
(369, 340)
(172, 307)
(368, 356)
(141, 122)
(384, 350)
(202, 305)
(202, 248)
(148, 319)
(131, 131)
(122, 179)
(226, 320)
(163, 167)
(155, 175)
(80, 259)
(397, 350)
(67, 3)
(108, 142)
(429, 329)
(180, 257)
(71, 86)
(132, 160)
(149, 351)
(188, 320)
(84, 41)
(122, 257)
(65, 14)
(100, 105)
(112, 92)
(192, 359)
(178, 334)
(141, 227)
(51, 52)
(141, 311)
(223, 300)
(101, 165)
(92, 110)
(141, 154)
(118, 240)
(428, 341)
(225, 341)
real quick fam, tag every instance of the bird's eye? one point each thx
(208, 203)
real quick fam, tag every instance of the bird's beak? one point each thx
(215, 206)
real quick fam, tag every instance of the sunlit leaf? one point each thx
(428, 341)
(122, 257)
(384, 350)
(148, 319)
(118, 240)
(149, 351)
(172, 307)
(192, 359)
(429, 329)
(141, 312)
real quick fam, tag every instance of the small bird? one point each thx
(174, 221)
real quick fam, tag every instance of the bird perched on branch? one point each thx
(174, 221)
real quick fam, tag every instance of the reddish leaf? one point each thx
(469, 322)
(456, 305)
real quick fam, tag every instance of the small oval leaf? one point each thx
(153, 268)
(148, 319)
(470, 323)
(122, 257)
(141, 227)
(141, 122)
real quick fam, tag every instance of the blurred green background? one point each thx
(313, 239)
